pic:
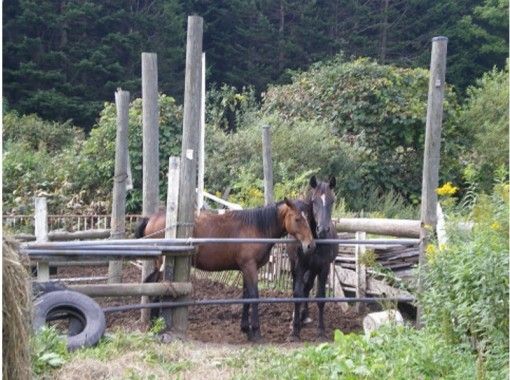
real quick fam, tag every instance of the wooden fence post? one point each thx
(150, 117)
(361, 272)
(172, 201)
(118, 223)
(267, 161)
(431, 155)
(41, 235)
(188, 173)
(201, 149)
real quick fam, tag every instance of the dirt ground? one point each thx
(221, 323)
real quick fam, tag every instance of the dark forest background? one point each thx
(63, 59)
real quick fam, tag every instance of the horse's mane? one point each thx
(263, 218)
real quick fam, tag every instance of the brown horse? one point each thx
(306, 266)
(272, 221)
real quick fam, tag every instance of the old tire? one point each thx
(76, 305)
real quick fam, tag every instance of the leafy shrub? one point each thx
(234, 160)
(49, 350)
(381, 108)
(37, 134)
(95, 168)
(391, 353)
(466, 296)
(485, 116)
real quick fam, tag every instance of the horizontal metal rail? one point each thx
(168, 243)
(156, 305)
(78, 279)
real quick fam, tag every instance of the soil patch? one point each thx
(221, 323)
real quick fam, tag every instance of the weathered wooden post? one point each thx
(118, 226)
(431, 154)
(201, 149)
(361, 272)
(41, 235)
(188, 173)
(172, 200)
(150, 120)
(267, 161)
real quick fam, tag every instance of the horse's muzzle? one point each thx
(308, 247)
(322, 232)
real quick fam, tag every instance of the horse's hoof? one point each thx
(246, 330)
(255, 338)
(293, 338)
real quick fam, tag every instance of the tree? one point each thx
(63, 59)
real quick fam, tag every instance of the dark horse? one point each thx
(307, 265)
(272, 221)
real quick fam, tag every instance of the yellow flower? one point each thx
(447, 190)
(431, 252)
(496, 226)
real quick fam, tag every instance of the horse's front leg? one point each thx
(321, 292)
(309, 279)
(298, 292)
(252, 291)
(245, 323)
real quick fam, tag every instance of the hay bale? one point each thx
(16, 313)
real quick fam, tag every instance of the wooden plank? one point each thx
(150, 121)
(172, 202)
(201, 148)
(361, 272)
(188, 173)
(430, 177)
(170, 289)
(41, 235)
(389, 227)
(118, 223)
(267, 161)
(374, 287)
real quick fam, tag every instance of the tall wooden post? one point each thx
(201, 149)
(430, 178)
(361, 272)
(172, 199)
(118, 226)
(267, 161)
(150, 119)
(188, 173)
(41, 235)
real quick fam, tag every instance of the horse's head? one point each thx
(296, 224)
(322, 199)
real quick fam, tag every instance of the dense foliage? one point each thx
(484, 116)
(379, 108)
(62, 59)
(466, 286)
(76, 173)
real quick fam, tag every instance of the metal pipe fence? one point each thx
(156, 305)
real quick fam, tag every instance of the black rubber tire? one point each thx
(78, 306)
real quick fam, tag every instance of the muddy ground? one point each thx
(221, 323)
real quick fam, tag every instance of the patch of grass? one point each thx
(49, 351)
(392, 353)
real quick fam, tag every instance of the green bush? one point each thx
(380, 108)
(234, 159)
(36, 156)
(391, 353)
(96, 163)
(49, 351)
(466, 284)
(485, 117)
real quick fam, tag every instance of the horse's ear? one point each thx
(289, 203)
(332, 182)
(313, 182)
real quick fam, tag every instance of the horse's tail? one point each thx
(140, 228)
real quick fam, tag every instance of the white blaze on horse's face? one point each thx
(323, 197)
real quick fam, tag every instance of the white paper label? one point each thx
(189, 154)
